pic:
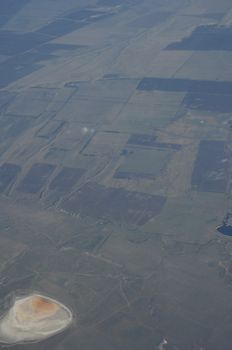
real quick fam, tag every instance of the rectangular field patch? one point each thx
(185, 85)
(114, 204)
(66, 179)
(8, 173)
(36, 178)
(210, 173)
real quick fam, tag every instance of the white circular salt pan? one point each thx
(33, 318)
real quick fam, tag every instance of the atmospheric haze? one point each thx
(33, 318)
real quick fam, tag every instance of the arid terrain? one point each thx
(115, 169)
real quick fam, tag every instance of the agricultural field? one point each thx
(115, 169)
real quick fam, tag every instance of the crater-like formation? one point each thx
(33, 318)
